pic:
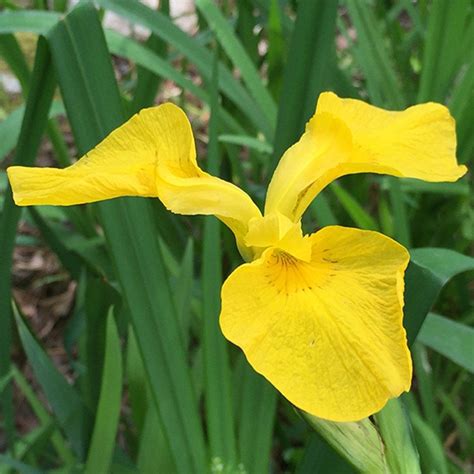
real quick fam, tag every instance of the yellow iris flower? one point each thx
(320, 315)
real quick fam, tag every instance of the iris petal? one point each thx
(327, 333)
(347, 136)
(152, 154)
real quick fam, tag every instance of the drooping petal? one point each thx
(347, 136)
(153, 155)
(327, 334)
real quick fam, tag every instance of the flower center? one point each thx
(277, 231)
(289, 275)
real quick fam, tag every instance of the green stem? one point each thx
(400, 451)
(358, 442)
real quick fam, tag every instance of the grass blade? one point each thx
(9, 131)
(394, 427)
(94, 302)
(33, 125)
(19, 467)
(258, 401)
(431, 450)
(450, 338)
(152, 452)
(163, 27)
(70, 411)
(239, 57)
(44, 417)
(147, 59)
(11, 126)
(429, 270)
(11, 52)
(277, 48)
(358, 214)
(384, 89)
(443, 48)
(184, 291)
(102, 444)
(219, 415)
(32, 21)
(319, 457)
(426, 387)
(359, 442)
(383, 84)
(147, 82)
(250, 142)
(307, 73)
(94, 109)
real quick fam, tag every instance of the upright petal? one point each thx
(152, 154)
(327, 334)
(347, 136)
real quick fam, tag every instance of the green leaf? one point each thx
(311, 46)
(32, 128)
(31, 21)
(450, 338)
(429, 270)
(426, 387)
(319, 457)
(239, 57)
(57, 440)
(360, 216)
(218, 398)
(442, 48)
(459, 188)
(148, 83)
(250, 142)
(136, 381)
(93, 105)
(34, 442)
(71, 262)
(277, 47)
(12, 54)
(257, 401)
(68, 407)
(461, 106)
(395, 430)
(19, 467)
(184, 291)
(431, 450)
(163, 27)
(374, 56)
(359, 442)
(94, 301)
(102, 444)
(321, 210)
(153, 452)
(10, 127)
(28, 21)
(443, 263)
(9, 131)
(147, 59)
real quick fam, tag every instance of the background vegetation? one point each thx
(111, 359)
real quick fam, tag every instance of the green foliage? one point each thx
(152, 386)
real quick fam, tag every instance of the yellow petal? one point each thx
(152, 154)
(276, 230)
(347, 136)
(327, 333)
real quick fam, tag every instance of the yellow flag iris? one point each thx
(320, 315)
